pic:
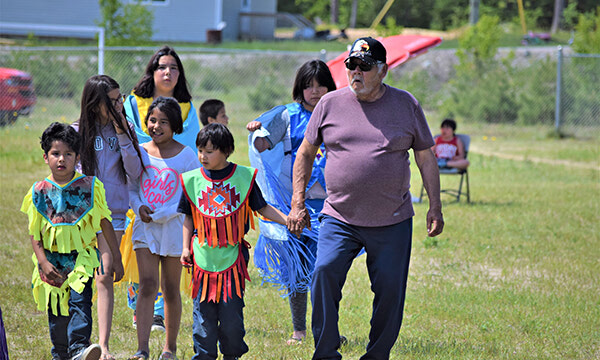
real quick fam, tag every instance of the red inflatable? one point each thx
(399, 49)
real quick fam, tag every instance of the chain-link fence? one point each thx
(249, 82)
(520, 87)
(578, 90)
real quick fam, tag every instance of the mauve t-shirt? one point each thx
(367, 171)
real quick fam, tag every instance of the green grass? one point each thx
(515, 274)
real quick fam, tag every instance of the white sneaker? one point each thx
(92, 352)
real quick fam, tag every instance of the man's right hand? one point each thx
(298, 219)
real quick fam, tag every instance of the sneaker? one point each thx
(158, 324)
(92, 352)
(134, 322)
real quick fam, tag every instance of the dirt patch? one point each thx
(566, 163)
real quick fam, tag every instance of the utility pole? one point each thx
(474, 14)
(558, 10)
(353, 14)
(334, 11)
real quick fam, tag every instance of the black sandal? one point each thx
(140, 355)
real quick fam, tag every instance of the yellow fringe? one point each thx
(48, 297)
(66, 238)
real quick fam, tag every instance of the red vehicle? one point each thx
(17, 95)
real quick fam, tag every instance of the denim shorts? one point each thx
(118, 225)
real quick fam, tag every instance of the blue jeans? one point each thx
(388, 255)
(221, 322)
(3, 344)
(71, 334)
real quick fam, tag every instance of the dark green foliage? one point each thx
(482, 97)
(536, 99)
(125, 24)
(482, 89)
(389, 29)
(449, 13)
(587, 36)
(438, 14)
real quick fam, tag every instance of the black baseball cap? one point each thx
(368, 50)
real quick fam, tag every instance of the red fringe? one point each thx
(217, 286)
(224, 231)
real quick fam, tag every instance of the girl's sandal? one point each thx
(294, 341)
(140, 355)
(167, 355)
(107, 357)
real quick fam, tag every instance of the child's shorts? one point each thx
(118, 225)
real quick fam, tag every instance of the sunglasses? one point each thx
(363, 66)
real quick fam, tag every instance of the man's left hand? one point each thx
(435, 222)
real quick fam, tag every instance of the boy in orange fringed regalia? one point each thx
(218, 201)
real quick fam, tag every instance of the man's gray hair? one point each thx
(380, 67)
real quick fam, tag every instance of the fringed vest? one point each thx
(65, 220)
(221, 211)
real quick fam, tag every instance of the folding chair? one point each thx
(464, 174)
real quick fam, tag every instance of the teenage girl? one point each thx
(157, 231)
(164, 76)
(109, 152)
(281, 258)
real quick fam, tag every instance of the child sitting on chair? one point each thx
(449, 149)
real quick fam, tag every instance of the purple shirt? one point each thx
(111, 149)
(367, 171)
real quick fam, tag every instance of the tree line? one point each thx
(438, 14)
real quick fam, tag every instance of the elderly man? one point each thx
(367, 128)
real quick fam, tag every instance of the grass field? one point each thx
(515, 275)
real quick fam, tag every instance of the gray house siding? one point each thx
(263, 28)
(182, 20)
(176, 20)
(55, 12)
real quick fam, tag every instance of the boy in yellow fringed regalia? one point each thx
(218, 200)
(65, 212)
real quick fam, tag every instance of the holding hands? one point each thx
(298, 219)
